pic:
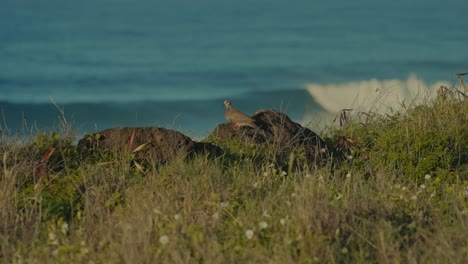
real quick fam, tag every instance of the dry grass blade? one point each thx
(443, 92)
(41, 168)
(462, 94)
(367, 116)
(462, 84)
(5, 164)
(344, 143)
(132, 137)
(343, 116)
(108, 163)
(138, 166)
(142, 146)
(47, 155)
(66, 127)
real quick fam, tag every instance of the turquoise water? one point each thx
(172, 63)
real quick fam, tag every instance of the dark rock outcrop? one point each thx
(277, 129)
(153, 144)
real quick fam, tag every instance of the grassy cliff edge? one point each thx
(395, 191)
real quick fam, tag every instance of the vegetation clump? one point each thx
(394, 189)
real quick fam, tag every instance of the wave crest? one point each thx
(371, 95)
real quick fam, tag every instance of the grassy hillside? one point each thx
(396, 190)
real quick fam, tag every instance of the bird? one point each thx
(237, 118)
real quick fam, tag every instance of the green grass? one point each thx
(401, 198)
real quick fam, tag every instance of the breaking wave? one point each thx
(371, 95)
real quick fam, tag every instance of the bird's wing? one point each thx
(237, 116)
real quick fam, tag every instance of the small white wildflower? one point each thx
(266, 214)
(283, 221)
(64, 228)
(53, 238)
(164, 239)
(263, 225)
(215, 216)
(84, 251)
(349, 157)
(403, 188)
(422, 186)
(249, 234)
(224, 204)
(427, 177)
(283, 173)
(414, 197)
(348, 176)
(323, 150)
(177, 217)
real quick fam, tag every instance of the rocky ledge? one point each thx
(161, 145)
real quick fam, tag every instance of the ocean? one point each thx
(171, 63)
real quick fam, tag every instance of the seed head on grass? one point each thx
(215, 216)
(249, 234)
(64, 228)
(283, 221)
(263, 225)
(164, 240)
(156, 211)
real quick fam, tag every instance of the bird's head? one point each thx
(227, 103)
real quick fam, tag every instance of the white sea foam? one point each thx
(371, 95)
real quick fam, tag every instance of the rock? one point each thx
(208, 148)
(153, 144)
(276, 129)
(159, 145)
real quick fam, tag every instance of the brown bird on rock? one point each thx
(237, 118)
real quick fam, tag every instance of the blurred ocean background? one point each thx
(171, 63)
